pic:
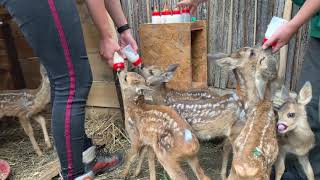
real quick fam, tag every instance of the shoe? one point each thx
(87, 176)
(102, 162)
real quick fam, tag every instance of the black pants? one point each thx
(53, 29)
(311, 72)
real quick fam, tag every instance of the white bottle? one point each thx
(176, 16)
(275, 23)
(132, 56)
(118, 62)
(170, 18)
(186, 15)
(165, 15)
(156, 18)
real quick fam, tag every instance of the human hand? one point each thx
(126, 38)
(108, 46)
(192, 4)
(281, 37)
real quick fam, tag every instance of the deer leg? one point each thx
(195, 165)
(141, 158)
(151, 162)
(25, 123)
(280, 165)
(172, 167)
(42, 122)
(132, 154)
(305, 163)
(225, 157)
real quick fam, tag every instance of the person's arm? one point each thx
(285, 33)
(108, 46)
(115, 10)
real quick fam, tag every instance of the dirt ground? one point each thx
(16, 148)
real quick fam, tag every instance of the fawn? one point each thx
(294, 133)
(157, 129)
(27, 104)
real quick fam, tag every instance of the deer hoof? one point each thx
(49, 146)
(137, 173)
(39, 153)
(124, 175)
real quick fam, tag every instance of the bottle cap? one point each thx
(118, 62)
(138, 62)
(176, 11)
(118, 66)
(186, 10)
(155, 12)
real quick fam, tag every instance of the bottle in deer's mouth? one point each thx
(118, 62)
(274, 25)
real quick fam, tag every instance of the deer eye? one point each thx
(291, 115)
(125, 78)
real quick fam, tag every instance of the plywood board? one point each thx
(100, 70)
(103, 94)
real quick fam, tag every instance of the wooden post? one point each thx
(284, 50)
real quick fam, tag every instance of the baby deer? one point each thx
(222, 116)
(158, 128)
(295, 134)
(26, 104)
(256, 148)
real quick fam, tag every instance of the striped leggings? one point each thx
(53, 29)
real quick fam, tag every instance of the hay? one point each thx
(16, 148)
(106, 128)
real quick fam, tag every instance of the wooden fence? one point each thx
(233, 24)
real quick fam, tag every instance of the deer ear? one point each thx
(172, 68)
(227, 63)
(305, 94)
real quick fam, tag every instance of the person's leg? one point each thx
(52, 27)
(311, 72)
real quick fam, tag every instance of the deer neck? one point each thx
(246, 89)
(159, 97)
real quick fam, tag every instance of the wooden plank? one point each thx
(199, 55)
(284, 49)
(23, 48)
(103, 94)
(3, 49)
(50, 170)
(15, 69)
(31, 72)
(6, 81)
